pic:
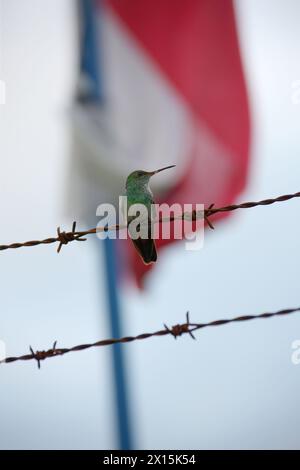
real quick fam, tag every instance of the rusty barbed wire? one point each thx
(63, 238)
(177, 330)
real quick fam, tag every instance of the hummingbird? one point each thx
(138, 192)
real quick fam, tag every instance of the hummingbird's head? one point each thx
(141, 178)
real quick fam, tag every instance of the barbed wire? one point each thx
(177, 330)
(63, 238)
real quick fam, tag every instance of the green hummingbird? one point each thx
(138, 192)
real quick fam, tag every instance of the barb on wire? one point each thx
(175, 331)
(63, 238)
(41, 355)
(180, 329)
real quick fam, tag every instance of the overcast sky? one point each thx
(235, 387)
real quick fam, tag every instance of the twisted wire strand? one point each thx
(177, 330)
(63, 238)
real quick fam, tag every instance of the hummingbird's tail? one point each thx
(146, 249)
(144, 246)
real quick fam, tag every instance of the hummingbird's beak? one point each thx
(162, 169)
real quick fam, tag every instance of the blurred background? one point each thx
(236, 386)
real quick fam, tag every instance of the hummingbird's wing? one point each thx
(145, 246)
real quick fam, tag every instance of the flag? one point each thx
(173, 93)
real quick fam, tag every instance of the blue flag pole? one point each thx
(90, 67)
(121, 392)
